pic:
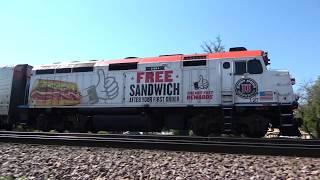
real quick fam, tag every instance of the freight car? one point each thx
(222, 93)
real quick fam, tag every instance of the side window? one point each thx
(240, 67)
(254, 67)
(45, 71)
(63, 70)
(82, 69)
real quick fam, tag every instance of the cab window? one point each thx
(240, 67)
(254, 67)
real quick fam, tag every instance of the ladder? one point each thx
(288, 127)
(227, 100)
(227, 119)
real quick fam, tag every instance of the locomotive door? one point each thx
(227, 76)
(227, 83)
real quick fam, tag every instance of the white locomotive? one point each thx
(229, 92)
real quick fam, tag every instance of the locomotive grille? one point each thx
(194, 57)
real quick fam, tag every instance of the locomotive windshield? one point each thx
(253, 66)
(241, 67)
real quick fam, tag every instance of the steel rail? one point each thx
(285, 147)
(172, 137)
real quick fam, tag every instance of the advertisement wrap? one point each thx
(54, 92)
(150, 86)
(154, 87)
(96, 89)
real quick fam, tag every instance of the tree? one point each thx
(213, 47)
(309, 109)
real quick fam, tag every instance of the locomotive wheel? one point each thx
(214, 129)
(257, 126)
(42, 122)
(8, 127)
(200, 132)
(60, 125)
(199, 125)
(82, 124)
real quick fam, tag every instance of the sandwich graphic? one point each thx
(54, 92)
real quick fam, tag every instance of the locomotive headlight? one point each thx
(245, 75)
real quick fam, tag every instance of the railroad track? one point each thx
(237, 145)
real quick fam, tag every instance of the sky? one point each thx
(44, 32)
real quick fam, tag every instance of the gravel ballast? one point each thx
(63, 162)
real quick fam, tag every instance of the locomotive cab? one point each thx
(254, 98)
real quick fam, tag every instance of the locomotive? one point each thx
(216, 93)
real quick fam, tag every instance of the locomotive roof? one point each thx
(7, 66)
(162, 58)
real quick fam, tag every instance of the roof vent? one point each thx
(130, 57)
(123, 66)
(194, 57)
(237, 49)
(170, 55)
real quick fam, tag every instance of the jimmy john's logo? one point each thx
(246, 88)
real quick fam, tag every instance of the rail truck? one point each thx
(230, 92)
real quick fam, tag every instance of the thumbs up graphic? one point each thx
(107, 87)
(201, 84)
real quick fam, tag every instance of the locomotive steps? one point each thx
(279, 146)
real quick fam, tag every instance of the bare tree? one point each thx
(303, 91)
(212, 47)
